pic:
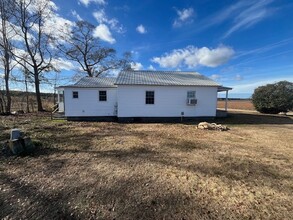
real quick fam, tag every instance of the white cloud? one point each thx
(76, 15)
(102, 18)
(151, 67)
(215, 77)
(249, 87)
(58, 27)
(41, 5)
(141, 29)
(192, 56)
(62, 64)
(240, 15)
(238, 77)
(87, 2)
(136, 66)
(184, 16)
(250, 16)
(103, 32)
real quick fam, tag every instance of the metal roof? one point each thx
(163, 78)
(223, 88)
(95, 82)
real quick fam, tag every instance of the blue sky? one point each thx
(242, 44)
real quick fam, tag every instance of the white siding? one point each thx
(60, 101)
(170, 101)
(87, 104)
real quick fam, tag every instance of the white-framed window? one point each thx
(75, 94)
(102, 96)
(191, 94)
(150, 97)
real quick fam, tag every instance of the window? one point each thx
(75, 94)
(149, 97)
(191, 94)
(102, 96)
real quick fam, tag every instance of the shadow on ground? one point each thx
(246, 118)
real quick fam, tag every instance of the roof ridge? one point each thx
(175, 71)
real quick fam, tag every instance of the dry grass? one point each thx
(150, 171)
(237, 104)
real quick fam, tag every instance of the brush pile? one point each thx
(212, 126)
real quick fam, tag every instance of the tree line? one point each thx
(28, 44)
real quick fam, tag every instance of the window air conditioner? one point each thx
(191, 101)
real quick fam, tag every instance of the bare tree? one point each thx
(6, 38)
(34, 50)
(87, 51)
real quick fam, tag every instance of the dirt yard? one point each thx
(88, 170)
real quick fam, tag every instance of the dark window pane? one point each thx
(150, 97)
(75, 95)
(191, 94)
(103, 95)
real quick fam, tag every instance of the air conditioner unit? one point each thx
(191, 101)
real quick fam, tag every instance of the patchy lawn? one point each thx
(150, 171)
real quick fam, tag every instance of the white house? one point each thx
(141, 95)
(89, 98)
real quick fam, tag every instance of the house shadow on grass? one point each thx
(256, 118)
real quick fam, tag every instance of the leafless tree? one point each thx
(34, 50)
(6, 38)
(89, 53)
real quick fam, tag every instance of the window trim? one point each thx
(193, 91)
(75, 95)
(105, 96)
(147, 99)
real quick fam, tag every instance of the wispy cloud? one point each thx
(87, 2)
(265, 48)
(113, 23)
(76, 15)
(238, 77)
(183, 16)
(251, 15)
(249, 87)
(240, 15)
(215, 77)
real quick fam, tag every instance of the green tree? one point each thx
(274, 98)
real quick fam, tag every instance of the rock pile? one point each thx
(212, 126)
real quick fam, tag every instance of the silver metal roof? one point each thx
(163, 78)
(95, 82)
(224, 88)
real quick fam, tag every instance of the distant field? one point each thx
(19, 101)
(237, 104)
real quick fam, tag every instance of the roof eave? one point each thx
(127, 84)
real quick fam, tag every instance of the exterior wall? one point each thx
(87, 104)
(170, 101)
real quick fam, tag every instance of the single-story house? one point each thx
(141, 95)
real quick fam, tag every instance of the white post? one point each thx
(226, 101)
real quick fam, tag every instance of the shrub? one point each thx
(274, 98)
